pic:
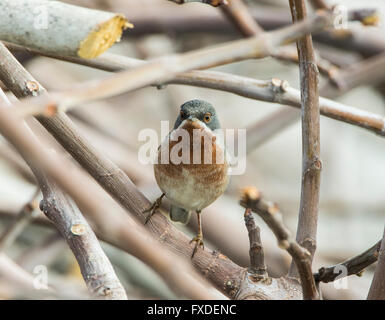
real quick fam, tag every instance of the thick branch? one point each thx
(353, 265)
(257, 259)
(311, 163)
(36, 24)
(107, 174)
(269, 212)
(228, 277)
(96, 269)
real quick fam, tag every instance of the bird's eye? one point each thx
(182, 114)
(207, 117)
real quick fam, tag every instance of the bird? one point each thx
(195, 179)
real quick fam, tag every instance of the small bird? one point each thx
(194, 185)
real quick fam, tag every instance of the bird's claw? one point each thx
(198, 243)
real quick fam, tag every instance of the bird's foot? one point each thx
(155, 206)
(198, 243)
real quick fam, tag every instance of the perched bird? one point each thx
(193, 183)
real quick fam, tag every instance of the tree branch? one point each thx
(353, 265)
(96, 269)
(269, 212)
(311, 162)
(214, 3)
(83, 32)
(368, 72)
(274, 90)
(377, 288)
(107, 174)
(228, 277)
(257, 258)
(237, 12)
(165, 68)
(26, 214)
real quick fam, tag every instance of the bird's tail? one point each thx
(179, 214)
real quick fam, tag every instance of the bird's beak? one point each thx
(192, 119)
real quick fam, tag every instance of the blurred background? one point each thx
(352, 203)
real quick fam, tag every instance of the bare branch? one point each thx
(83, 32)
(228, 277)
(237, 12)
(354, 265)
(269, 212)
(311, 162)
(21, 280)
(27, 213)
(274, 90)
(166, 68)
(82, 192)
(257, 259)
(214, 3)
(368, 72)
(377, 288)
(96, 269)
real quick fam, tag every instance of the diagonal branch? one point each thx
(353, 265)
(228, 277)
(269, 212)
(165, 68)
(26, 214)
(105, 172)
(237, 12)
(311, 163)
(377, 288)
(274, 90)
(95, 267)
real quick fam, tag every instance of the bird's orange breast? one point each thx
(193, 186)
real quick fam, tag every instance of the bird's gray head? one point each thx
(198, 109)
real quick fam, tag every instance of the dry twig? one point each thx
(257, 259)
(269, 212)
(353, 265)
(311, 162)
(377, 288)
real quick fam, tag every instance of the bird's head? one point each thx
(198, 110)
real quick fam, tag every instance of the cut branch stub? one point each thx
(83, 32)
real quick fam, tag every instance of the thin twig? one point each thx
(257, 258)
(311, 162)
(269, 212)
(237, 12)
(214, 3)
(368, 72)
(377, 288)
(353, 265)
(26, 214)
